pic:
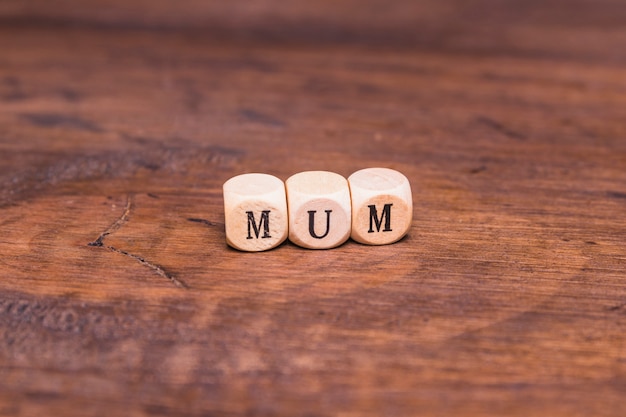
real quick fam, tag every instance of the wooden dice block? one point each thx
(382, 206)
(319, 209)
(255, 208)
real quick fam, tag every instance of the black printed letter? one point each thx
(374, 220)
(265, 222)
(312, 224)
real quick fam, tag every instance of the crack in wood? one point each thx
(154, 267)
(99, 242)
(203, 221)
(116, 224)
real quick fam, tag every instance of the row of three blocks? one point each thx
(317, 209)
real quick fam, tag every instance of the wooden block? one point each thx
(319, 209)
(382, 206)
(255, 209)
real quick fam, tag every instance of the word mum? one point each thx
(317, 209)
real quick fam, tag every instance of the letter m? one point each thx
(264, 223)
(376, 221)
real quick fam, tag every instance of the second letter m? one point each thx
(375, 221)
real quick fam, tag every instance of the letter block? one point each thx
(319, 209)
(382, 206)
(255, 209)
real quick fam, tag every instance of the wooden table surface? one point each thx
(120, 121)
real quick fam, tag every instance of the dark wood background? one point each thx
(120, 121)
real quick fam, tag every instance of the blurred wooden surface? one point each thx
(119, 123)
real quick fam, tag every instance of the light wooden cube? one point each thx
(382, 206)
(255, 208)
(319, 209)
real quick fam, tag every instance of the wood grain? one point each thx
(120, 123)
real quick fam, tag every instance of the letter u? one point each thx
(312, 224)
